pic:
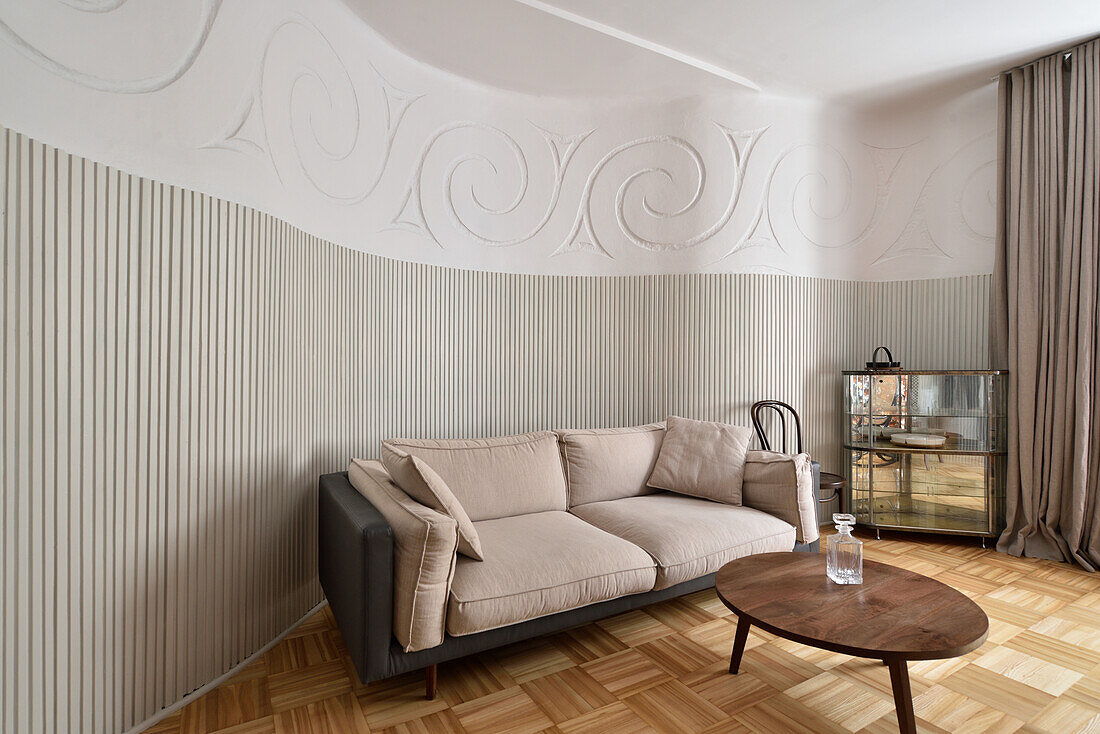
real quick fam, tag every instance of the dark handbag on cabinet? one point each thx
(875, 365)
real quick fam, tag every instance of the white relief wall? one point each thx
(303, 111)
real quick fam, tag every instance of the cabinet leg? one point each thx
(739, 644)
(431, 678)
(903, 696)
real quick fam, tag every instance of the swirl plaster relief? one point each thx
(208, 12)
(560, 150)
(263, 113)
(828, 205)
(326, 122)
(95, 6)
(583, 235)
(915, 237)
(918, 237)
(761, 232)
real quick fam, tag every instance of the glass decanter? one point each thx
(844, 559)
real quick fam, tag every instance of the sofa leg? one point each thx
(430, 679)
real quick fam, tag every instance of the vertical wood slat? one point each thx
(178, 370)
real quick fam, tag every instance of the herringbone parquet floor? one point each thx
(663, 668)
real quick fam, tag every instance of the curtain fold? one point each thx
(1044, 305)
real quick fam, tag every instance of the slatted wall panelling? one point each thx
(178, 370)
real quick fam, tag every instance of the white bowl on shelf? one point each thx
(926, 440)
(919, 440)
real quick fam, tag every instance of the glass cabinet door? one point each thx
(859, 486)
(930, 491)
(959, 407)
(967, 410)
(889, 396)
(858, 408)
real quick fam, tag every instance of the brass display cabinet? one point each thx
(926, 450)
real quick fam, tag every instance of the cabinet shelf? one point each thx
(924, 522)
(957, 415)
(893, 373)
(951, 447)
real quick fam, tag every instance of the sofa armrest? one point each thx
(355, 564)
(784, 486)
(425, 545)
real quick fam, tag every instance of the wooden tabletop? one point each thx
(894, 614)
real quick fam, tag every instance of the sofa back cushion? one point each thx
(424, 546)
(609, 463)
(496, 477)
(702, 459)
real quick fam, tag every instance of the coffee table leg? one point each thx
(903, 696)
(739, 644)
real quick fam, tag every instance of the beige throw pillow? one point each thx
(702, 459)
(424, 485)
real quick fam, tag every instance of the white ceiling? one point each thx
(826, 49)
(508, 45)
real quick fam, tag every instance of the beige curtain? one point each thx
(1044, 304)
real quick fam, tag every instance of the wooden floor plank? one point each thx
(997, 691)
(955, 712)
(781, 713)
(442, 722)
(509, 710)
(673, 707)
(614, 719)
(335, 715)
(678, 655)
(568, 695)
(841, 701)
(626, 672)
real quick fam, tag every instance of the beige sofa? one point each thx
(567, 528)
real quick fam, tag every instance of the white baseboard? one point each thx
(199, 692)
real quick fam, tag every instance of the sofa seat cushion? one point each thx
(539, 564)
(688, 537)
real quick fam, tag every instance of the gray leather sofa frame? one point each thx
(355, 563)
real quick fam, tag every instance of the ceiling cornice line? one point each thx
(640, 42)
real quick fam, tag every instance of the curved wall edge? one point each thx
(179, 369)
(307, 114)
(238, 668)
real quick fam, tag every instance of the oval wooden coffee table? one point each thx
(894, 615)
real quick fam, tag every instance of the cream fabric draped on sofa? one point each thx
(1044, 304)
